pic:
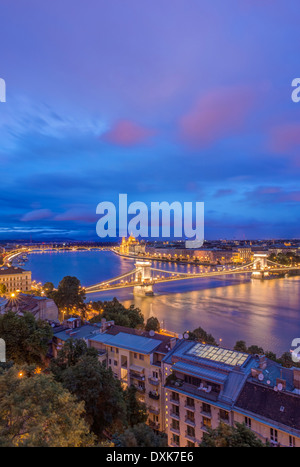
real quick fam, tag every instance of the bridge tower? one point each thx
(143, 276)
(260, 266)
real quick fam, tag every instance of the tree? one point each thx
(114, 310)
(202, 336)
(26, 338)
(152, 324)
(240, 346)
(3, 289)
(140, 435)
(136, 410)
(69, 355)
(69, 295)
(229, 436)
(48, 288)
(254, 349)
(100, 391)
(35, 411)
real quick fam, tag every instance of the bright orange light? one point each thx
(20, 374)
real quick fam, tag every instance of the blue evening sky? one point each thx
(165, 100)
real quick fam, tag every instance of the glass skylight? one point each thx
(229, 357)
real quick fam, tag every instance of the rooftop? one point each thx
(12, 270)
(278, 406)
(140, 344)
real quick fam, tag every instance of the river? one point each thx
(231, 308)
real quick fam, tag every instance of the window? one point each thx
(206, 408)
(135, 355)
(190, 416)
(224, 415)
(155, 374)
(190, 431)
(175, 424)
(175, 396)
(115, 363)
(109, 361)
(206, 422)
(175, 439)
(190, 402)
(117, 350)
(273, 435)
(190, 444)
(292, 442)
(141, 357)
(248, 422)
(175, 410)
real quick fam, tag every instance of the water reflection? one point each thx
(232, 308)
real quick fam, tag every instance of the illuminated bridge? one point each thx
(143, 277)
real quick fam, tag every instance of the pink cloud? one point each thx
(37, 214)
(127, 133)
(77, 215)
(285, 138)
(217, 114)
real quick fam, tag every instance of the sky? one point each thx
(168, 100)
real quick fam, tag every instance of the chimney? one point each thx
(172, 342)
(296, 377)
(262, 361)
(281, 381)
(255, 372)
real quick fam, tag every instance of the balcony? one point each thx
(206, 413)
(175, 415)
(140, 388)
(174, 401)
(190, 421)
(154, 381)
(205, 427)
(175, 430)
(153, 395)
(189, 407)
(154, 425)
(190, 436)
(137, 376)
(153, 410)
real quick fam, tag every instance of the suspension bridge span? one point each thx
(144, 276)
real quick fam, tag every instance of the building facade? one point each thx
(205, 385)
(15, 279)
(189, 387)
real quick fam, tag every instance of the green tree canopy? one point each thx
(27, 339)
(69, 295)
(136, 411)
(202, 336)
(240, 346)
(100, 391)
(152, 324)
(140, 435)
(3, 289)
(114, 310)
(35, 410)
(229, 436)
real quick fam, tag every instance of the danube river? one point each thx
(231, 308)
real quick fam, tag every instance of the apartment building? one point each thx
(189, 386)
(15, 278)
(134, 356)
(205, 385)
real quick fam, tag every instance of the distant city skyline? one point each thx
(164, 101)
